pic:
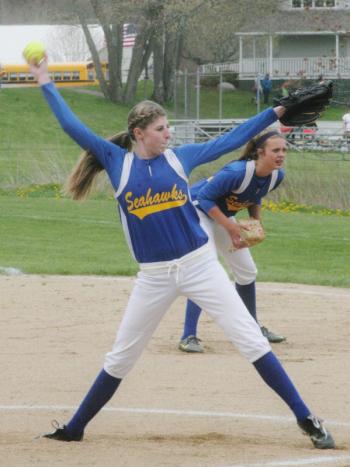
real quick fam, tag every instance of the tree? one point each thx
(210, 36)
(160, 27)
(202, 30)
(68, 43)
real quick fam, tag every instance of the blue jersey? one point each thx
(159, 219)
(235, 187)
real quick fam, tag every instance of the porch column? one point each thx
(337, 54)
(254, 55)
(270, 56)
(240, 64)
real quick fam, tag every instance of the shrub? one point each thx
(211, 81)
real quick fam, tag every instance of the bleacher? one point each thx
(326, 136)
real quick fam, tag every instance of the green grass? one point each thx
(33, 147)
(311, 178)
(237, 104)
(30, 122)
(316, 179)
(59, 236)
(304, 248)
(41, 232)
(27, 119)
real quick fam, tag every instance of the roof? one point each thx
(41, 12)
(305, 20)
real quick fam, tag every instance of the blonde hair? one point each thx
(259, 142)
(81, 179)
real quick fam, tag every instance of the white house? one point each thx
(302, 39)
(129, 37)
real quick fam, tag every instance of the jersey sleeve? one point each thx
(225, 181)
(192, 155)
(79, 132)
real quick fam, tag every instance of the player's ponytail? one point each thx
(249, 152)
(251, 149)
(84, 173)
(81, 180)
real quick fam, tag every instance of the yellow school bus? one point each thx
(63, 74)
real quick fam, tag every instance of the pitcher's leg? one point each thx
(147, 305)
(208, 285)
(149, 301)
(272, 372)
(219, 300)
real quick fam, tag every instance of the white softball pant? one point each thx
(198, 276)
(240, 261)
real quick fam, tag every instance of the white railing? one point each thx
(284, 68)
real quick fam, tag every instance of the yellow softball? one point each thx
(34, 52)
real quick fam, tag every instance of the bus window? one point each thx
(22, 76)
(13, 76)
(30, 77)
(57, 76)
(66, 75)
(5, 77)
(76, 75)
(91, 75)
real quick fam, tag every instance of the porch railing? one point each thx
(285, 68)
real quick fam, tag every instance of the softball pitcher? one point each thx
(239, 185)
(165, 236)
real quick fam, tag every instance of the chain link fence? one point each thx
(188, 98)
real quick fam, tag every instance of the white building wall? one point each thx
(127, 54)
(345, 46)
(308, 46)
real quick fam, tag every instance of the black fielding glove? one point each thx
(305, 105)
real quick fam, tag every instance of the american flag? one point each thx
(129, 35)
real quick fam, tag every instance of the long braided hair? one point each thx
(81, 179)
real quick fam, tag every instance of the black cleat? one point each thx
(61, 434)
(320, 437)
(271, 336)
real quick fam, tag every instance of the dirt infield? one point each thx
(174, 409)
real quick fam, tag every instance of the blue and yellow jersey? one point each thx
(159, 219)
(235, 187)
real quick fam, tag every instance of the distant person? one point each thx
(266, 85)
(1, 74)
(346, 125)
(285, 89)
(257, 91)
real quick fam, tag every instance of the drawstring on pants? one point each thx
(167, 267)
(175, 264)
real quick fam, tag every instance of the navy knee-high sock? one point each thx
(99, 394)
(247, 294)
(272, 372)
(191, 319)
